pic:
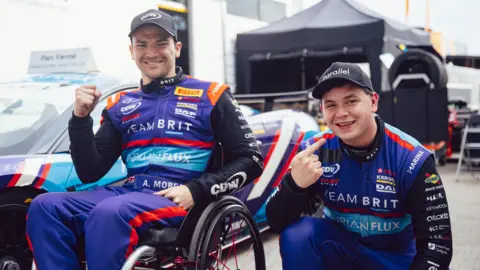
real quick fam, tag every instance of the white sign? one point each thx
(69, 60)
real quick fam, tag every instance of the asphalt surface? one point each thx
(464, 205)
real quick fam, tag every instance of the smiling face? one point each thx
(154, 51)
(348, 111)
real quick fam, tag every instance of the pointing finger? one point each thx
(314, 147)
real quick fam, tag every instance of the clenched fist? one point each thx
(306, 168)
(86, 98)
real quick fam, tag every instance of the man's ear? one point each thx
(374, 99)
(178, 49)
(130, 47)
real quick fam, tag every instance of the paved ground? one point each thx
(464, 203)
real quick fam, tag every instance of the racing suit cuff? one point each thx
(80, 122)
(196, 190)
(292, 186)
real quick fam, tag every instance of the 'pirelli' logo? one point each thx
(187, 92)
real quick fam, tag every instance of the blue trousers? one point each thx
(110, 219)
(313, 243)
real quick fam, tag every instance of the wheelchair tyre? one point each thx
(205, 219)
(201, 246)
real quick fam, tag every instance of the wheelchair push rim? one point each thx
(218, 248)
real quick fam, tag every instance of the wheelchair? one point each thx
(207, 239)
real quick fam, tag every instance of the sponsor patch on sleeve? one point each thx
(215, 91)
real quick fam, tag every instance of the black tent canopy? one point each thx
(306, 43)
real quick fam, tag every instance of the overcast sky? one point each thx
(456, 19)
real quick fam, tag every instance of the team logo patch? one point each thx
(129, 118)
(189, 99)
(328, 182)
(187, 92)
(237, 107)
(432, 179)
(385, 181)
(130, 108)
(186, 113)
(331, 170)
(187, 105)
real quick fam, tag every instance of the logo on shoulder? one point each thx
(130, 108)
(432, 179)
(415, 161)
(235, 104)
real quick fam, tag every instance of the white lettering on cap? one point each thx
(336, 72)
(151, 16)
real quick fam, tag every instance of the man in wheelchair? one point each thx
(168, 133)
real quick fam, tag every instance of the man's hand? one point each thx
(86, 98)
(306, 168)
(180, 195)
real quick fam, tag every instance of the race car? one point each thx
(34, 150)
(34, 147)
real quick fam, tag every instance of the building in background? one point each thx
(214, 25)
(207, 28)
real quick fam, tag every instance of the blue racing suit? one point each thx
(168, 133)
(384, 207)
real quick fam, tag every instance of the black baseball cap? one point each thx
(154, 17)
(339, 73)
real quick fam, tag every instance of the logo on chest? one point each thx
(187, 92)
(185, 113)
(128, 109)
(169, 125)
(331, 170)
(385, 182)
(329, 177)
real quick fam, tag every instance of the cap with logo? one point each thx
(154, 17)
(339, 73)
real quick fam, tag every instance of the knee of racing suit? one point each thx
(110, 210)
(44, 204)
(297, 237)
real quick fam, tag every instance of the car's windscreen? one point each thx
(26, 110)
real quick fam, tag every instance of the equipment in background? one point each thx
(470, 146)
(418, 100)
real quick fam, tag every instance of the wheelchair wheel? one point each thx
(231, 230)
